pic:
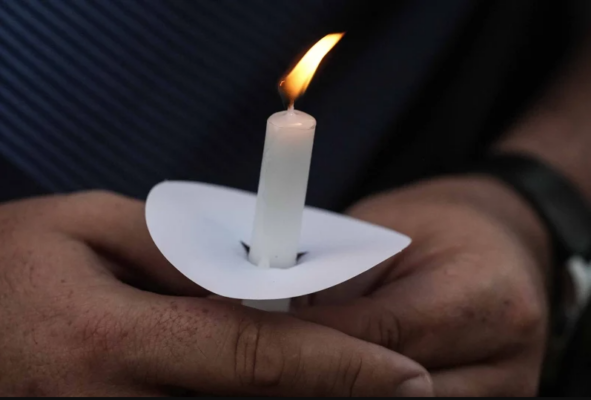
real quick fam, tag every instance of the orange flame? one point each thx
(295, 83)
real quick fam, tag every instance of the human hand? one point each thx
(466, 299)
(71, 323)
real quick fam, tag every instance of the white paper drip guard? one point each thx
(200, 228)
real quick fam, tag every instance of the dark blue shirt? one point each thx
(123, 94)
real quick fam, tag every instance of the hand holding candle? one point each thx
(285, 168)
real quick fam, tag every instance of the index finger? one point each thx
(116, 225)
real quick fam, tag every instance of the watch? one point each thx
(567, 217)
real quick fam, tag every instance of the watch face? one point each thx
(579, 272)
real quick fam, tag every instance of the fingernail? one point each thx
(419, 386)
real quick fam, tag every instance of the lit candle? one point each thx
(285, 168)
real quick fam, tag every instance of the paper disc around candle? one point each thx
(200, 229)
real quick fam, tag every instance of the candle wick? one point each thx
(291, 109)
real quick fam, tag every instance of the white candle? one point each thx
(282, 189)
(286, 164)
(284, 175)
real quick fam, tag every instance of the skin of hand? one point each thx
(74, 321)
(467, 299)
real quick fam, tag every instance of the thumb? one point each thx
(220, 348)
(116, 226)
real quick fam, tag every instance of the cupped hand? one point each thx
(84, 310)
(466, 300)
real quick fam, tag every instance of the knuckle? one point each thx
(99, 199)
(350, 370)
(388, 327)
(526, 316)
(100, 194)
(383, 326)
(361, 374)
(259, 361)
(531, 321)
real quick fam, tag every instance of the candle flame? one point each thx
(295, 83)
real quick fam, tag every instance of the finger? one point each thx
(364, 318)
(117, 391)
(117, 226)
(434, 347)
(372, 321)
(225, 349)
(486, 380)
(436, 331)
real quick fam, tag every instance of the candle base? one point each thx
(247, 249)
(279, 305)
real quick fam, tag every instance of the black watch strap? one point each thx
(559, 204)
